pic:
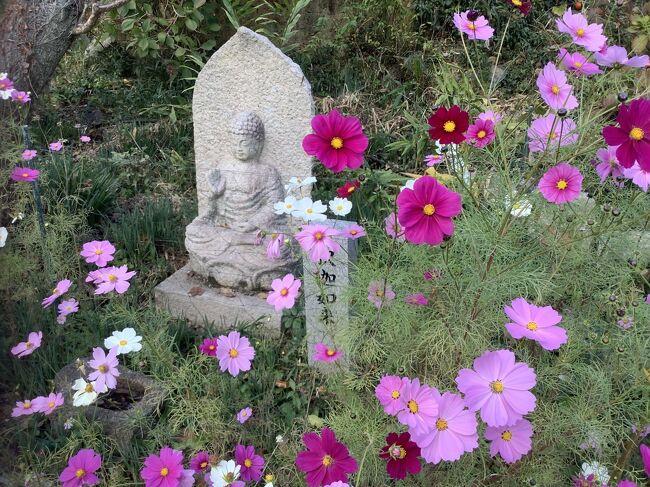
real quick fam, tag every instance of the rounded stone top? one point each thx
(247, 123)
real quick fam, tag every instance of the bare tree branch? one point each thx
(96, 9)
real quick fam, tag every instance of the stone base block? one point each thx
(187, 296)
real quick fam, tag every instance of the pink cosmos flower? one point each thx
(577, 63)
(432, 274)
(5, 83)
(645, 457)
(325, 353)
(244, 415)
(29, 154)
(250, 463)
(453, 432)
(284, 292)
(626, 483)
(187, 478)
(68, 306)
(114, 279)
(481, 133)
(380, 292)
(490, 116)
(511, 442)
(23, 408)
(25, 174)
(419, 407)
(96, 277)
(402, 455)
(639, 176)
(433, 159)
(615, 56)
(633, 135)
(477, 29)
(353, 231)
(326, 460)
(608, 165)
(338, 483)
(209, 347)
(56, 146)
(393, 228)
(625, 323)
(234, 353)
(536, 323)
(61, 288)
(545, 133)
(425, 212)
(85, 139)
(389, 393)
(200, 461)
(554, 89)
(317, 241)
(105, 368)
(98, 252)
(47, 405)
(417, 299)
(338, 141)
(589, 36)
(498, 387)
(561, 184)
(21, 97)
(27, 348)
(274, 246)
(81, 469)
(163, 470)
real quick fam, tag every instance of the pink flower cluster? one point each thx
(8, 91)
(40, 404)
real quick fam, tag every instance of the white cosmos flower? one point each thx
(3, 236)
(297, 183)
(408, 185)
(285, 207)
(521, 208)
(126, 341)
(224, 473)
(600, 473)
(340, 206)
(86, 392)
(268, 478)
(310, 210)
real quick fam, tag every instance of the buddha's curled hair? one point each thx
(247, 123)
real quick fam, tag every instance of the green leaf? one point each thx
(639, 44)
(199, 3)
(208, 45)
(180, 52)
(191, 24)
(558, 10)
(315, 421)
(143, 43)
(127, 24)
(162, 36)
(172, 116)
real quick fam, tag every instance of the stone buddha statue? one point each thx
(222, 241)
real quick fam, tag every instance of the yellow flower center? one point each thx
(268, 477)
(27, 404)
(353, 232)
(25, 174)
(318, 236)
(330, 352)
(229, 477)
(164, 472)
(284, 292)
(98, 252)
(578, 64)
(112, 277)
(337, 142)
(211, 347)
(402, 453)
(441, 424)
(80, 473)
(339, 207)
(481, 134)
(103, 368)
(532, 326)
(203, 464)
(553, 135)
(517, 3)
(289, 205)
(449, 126)
(123, 342)
(55, 290)
(248, 463)
(309, 210)
(29, 344)
(379, 293)
(351, 189)
(327, 460)
(233, 353)
(50, 404)
(555, 89)
(429, 209)
(413, 406)
(471, 26)
(506, 436)
(497, 386)
(394, 394)
(89, 387)
(580, 32)
(636, 133)
(562, 184)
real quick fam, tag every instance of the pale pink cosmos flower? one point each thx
(393, 228)
(114, 279)
(615, 56)
(325, 353)
(234, 353)
(105, 371)
(389, 393)
(274, 246)
(47, 404)
(433, 159)
(23, 408)
(61, 288)
(419, 407)
(98, 252)
(511, 442)
(554, 89)
(561, 184)
(481, 133)
(609, 165)
(284, 292)
(545, 133)
(589, 36)
(477, 30)
(85, 139)
(380, 292)
(417, 299)
(353, 231)
(317, 241)
(29, 154)
(537, 323)
(23, 349)
(625, 323)
(95, 277)
(68, 306)
(244, 415)
(56, 146)
(639, 176)
(490, 116)
(21, 97)
(577, 63)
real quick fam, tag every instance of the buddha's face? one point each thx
(246, 147)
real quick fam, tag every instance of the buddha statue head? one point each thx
(247, 131)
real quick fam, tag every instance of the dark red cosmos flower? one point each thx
(326, 460)
(633, 135)
(448, 125)
(402, 455)
(348, 188)
(524, 6)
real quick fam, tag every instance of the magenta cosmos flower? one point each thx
(323, 353)
(633, 135)
(419, 407)
(481, 133)
(209, 347)
(608, 165)
(644, 450)
(498, 387)
(402, 455)
(554, 89)
(561, 184)
(200, 462)
(61, 287)
(98, 252)
(21, 97)
(476, 29)
(417, 299)
(56, 146)
(25, 174)
(163, 470)
(27, 348)
(338, 141)
(244, 415)
(326, 460)
(389, 393)
(511, 442)
(639, 176)
(536, 323)
(29, 154)
(393, 228)
(550, 131)
(317, 241)
(23, 408)
(234, 353)
(577, 63)
(589, 36)
(81, 469)
(379, 292)
(425, 212)
(47, 404)
(251, 464)
(284, 292)
(353, 231)
(114, 279)
(105, 368)
(453, 432)
(615, 56)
